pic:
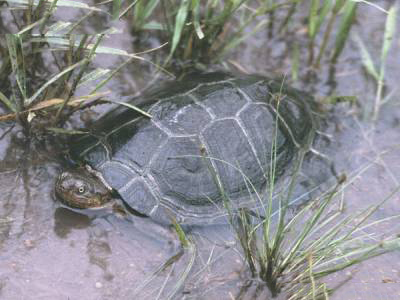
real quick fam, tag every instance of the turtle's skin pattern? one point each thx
(209, 139)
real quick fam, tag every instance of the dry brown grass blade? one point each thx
(52, 103)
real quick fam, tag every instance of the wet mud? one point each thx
(50, 252)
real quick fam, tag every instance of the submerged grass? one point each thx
(188, 248)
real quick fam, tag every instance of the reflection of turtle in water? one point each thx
(210, 135)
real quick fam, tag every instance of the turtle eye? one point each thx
(81, 189)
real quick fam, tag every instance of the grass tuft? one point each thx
(34, 87)
(295, 253)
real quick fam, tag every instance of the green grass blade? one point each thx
(8, 102)
(338, 5)
(313, 18)
(21, 70)
(143, 10)
(196, 18)
(78, 22)
(144, 283)
(181, 234)
(54, 79)
(192, 251)
(132, 56)
(127, 8)
(180, 21)
(323, 245)
(387, 41)
(82, 70)
(110, 76)
(360, 254)
(48, 13)
(94, 75)
(366, 59)
(295, 61)
(241, 38)
(30, 26)
(65, 131)
(149, 8)
(61, 3)
(57, 28)
(116, 9)
(138, 15)
(309, 225)
(66, 41)
(14, 44)
(344, 28)
(153, 25)
(326, 7)
(130, 106)
(372, 4)
(390, 27)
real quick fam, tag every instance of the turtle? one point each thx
(205, 146)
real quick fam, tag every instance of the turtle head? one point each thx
(81, 189)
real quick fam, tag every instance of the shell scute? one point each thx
(138, 195)
(223, 99)
(232, 155)
(180, 165)
(180, 116)
(140, 148)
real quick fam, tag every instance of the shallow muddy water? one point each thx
(50, 252)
